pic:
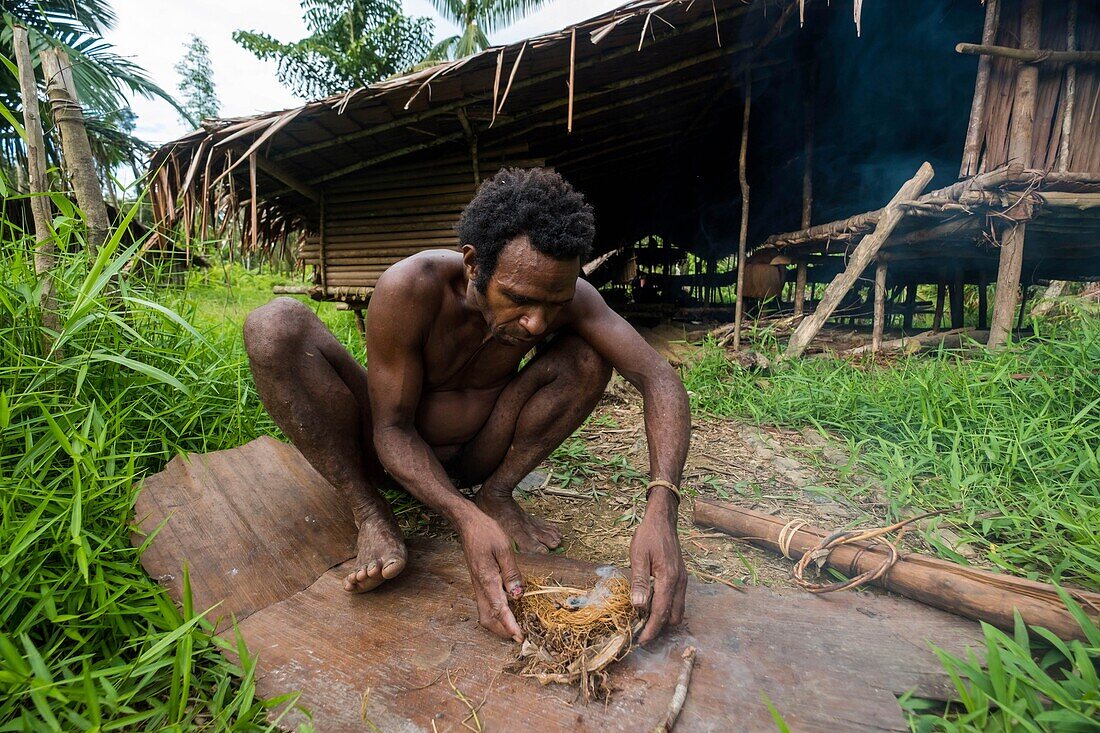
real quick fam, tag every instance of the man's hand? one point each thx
(493, 571)
(655, 552)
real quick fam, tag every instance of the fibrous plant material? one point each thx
(572, 634)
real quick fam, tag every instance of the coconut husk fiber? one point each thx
(574, 634)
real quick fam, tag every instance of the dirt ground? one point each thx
(594, 487)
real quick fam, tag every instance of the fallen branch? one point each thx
(977, 594)
(912, 344)
(679, 695)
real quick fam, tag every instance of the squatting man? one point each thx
(446, 404)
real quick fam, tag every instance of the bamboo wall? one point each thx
(374, 220)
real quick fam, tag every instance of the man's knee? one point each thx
(273, 329)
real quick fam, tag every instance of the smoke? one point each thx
(598, 595)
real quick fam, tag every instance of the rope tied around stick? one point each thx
(818, 554)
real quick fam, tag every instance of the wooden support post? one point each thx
(910, 307)
(800, 288)
(254, 207)
(1023, 307)
(880, 306)
(739, 309)
(956, 291)
(1019, 158)
(864, 252)
(321, 246)
(79, 162)
(937, 315)
(975, 128)
(45, 249)
(983, 301)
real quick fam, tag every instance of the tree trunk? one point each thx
(45, 251)
(76, 149)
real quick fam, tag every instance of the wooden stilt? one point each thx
(1019, 157)
(861, 257)
(983, 304)
(880, 306)
(800, 288)
(910, 307)
(937, 315)
(1023, 307)
(956, 294)
(739, 309)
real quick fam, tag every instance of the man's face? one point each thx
(526, 292)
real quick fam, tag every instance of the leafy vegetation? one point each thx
(474, 18)
(351, 43)
(1012, 437)
(196, 84)
(103, 78)
(87, 639)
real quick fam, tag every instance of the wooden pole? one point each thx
(1071, 88)
(983, 301)
(864, 252)
(910, 307)
(1020, 145)
(1031, 55)
(321, 246)
(956, 292)
(45, 250)
(967, 591)
(975, 129)
(742, 241)
(254, 207)
(937, 315)
(1057, 286)
(69, 116)
(800, 288)
(880, 306)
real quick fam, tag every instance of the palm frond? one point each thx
(500, 14)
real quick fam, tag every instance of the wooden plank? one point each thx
(864, 252)
(255, 522)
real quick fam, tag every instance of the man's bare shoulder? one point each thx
(587, 303)
(421, 279)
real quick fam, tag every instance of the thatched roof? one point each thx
(651, 61)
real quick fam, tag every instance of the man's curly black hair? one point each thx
(536, 202)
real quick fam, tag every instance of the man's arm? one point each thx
(655, 550)
(395, 333)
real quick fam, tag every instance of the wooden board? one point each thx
(391, 656)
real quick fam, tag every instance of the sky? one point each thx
(153, 34)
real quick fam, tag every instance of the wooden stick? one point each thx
(976, 594)
(679, 695)
(975, 128)
(937, 315)
(914, 343)
(742, 177)
(1030, 55)
(321, 234)
(865, 251)
(572, 71)
(1071, 88)
(800, 288)
(1020, 146)
(880, 307)
(956, 296)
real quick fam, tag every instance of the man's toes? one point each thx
(393, 567)
(374, 569)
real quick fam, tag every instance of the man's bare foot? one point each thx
(530, 533)
(381, 555)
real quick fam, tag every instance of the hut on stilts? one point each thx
(699, 129)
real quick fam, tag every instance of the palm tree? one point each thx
(103, 78)
(475, 18)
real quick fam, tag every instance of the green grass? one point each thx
(89, 642)
(1011, 438)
